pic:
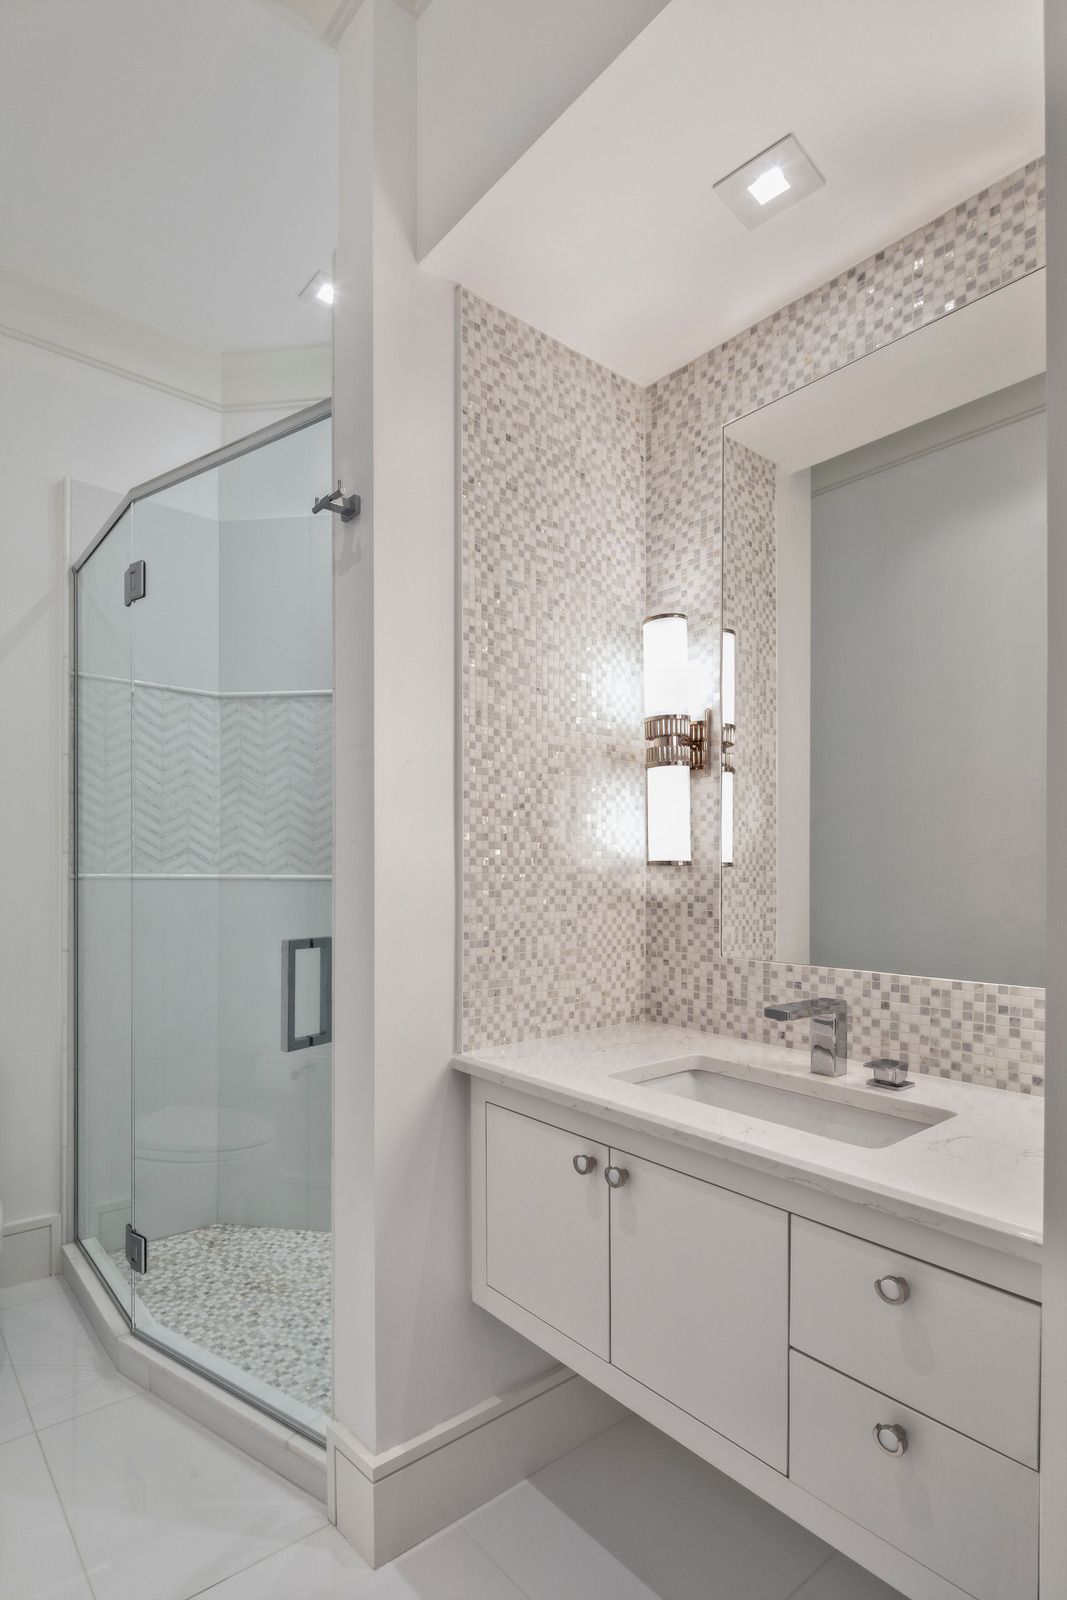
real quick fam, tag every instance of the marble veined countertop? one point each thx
(977, 1174)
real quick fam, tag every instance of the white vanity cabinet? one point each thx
(750, 1317)
(546, 1233)
(700, 1301)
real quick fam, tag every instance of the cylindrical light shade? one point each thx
(667, 801)
(666, 663)
(727, 817)
(729, 675)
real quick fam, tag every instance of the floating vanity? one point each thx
(829, 1291)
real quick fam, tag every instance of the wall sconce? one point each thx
(675, 745)
(729, 732)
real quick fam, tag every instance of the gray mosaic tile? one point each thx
(571, 532)
(259, 1298)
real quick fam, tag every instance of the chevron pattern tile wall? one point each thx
(105, 771)
(202, 783)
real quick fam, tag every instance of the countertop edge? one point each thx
(1024, 1245)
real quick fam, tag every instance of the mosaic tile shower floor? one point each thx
(258, 1298)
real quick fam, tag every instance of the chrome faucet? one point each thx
(829, 1031)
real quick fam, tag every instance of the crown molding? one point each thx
(80, 330)
(38, 313)
(288, 377)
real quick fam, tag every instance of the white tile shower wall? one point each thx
(749, 588)
(984, 1033)
(553, 589)
(557, 929)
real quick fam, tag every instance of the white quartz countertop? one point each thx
(977, 1174)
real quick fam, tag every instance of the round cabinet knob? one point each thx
(894, 1291)
(890, 1437)
(616, 1177)
(583, 1165)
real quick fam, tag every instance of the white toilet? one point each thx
(184, 1154)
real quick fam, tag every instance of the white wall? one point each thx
(492, 76)
(420, 1352)
(58, 418)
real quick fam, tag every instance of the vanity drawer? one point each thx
(962, 1352)
(959, 1508)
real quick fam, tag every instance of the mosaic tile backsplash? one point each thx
(553, 557)
(570, 533)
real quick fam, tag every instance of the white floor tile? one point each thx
(707, 1494)
(321, 1567)
(160, 1508)
(14, 1418)
(452, 1567)
(546, 1554)
(680, 1554)
(665, 1513)
(37, 1289)
(841, 1579)
(38, 1560)
(49, 1331)
(54, 1394)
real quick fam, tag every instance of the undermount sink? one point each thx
(810, 1105)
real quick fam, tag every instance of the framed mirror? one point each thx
(884, 577)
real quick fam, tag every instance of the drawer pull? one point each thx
(583, 1165)
(890, 1437)
(615, 1177)
(894, 1291)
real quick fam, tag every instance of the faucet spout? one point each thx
(829, 1030)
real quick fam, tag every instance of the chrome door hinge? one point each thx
(136, 1249)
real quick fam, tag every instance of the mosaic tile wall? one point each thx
(750, 605)
(560, 506)
(209, 783)
(984, 1033)
(553, 560)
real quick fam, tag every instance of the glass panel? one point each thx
(232, 856)
(103, 907)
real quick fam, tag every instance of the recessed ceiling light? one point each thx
(769, 185)
(776, 178)
(319, 288)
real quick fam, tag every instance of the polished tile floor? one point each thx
(108, 1494)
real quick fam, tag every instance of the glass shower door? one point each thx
(231, 662)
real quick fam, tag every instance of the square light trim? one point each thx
(318, 289)
(775, 179)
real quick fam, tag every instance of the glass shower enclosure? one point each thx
(203, 845)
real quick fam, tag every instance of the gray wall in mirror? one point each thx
(928, 558)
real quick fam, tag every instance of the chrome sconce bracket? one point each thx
(677, 741)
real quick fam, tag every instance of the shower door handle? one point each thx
(291, 1040)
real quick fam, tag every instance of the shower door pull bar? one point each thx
(291, 1040)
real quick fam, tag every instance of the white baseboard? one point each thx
(383, 1504)
(31, 1249)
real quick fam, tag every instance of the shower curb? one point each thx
(290, 1454)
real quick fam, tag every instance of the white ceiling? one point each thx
(174, 160)
(606, 234)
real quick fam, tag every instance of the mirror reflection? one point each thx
(884, 587)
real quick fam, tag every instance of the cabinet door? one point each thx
(700, 1302)
(547, 1224)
